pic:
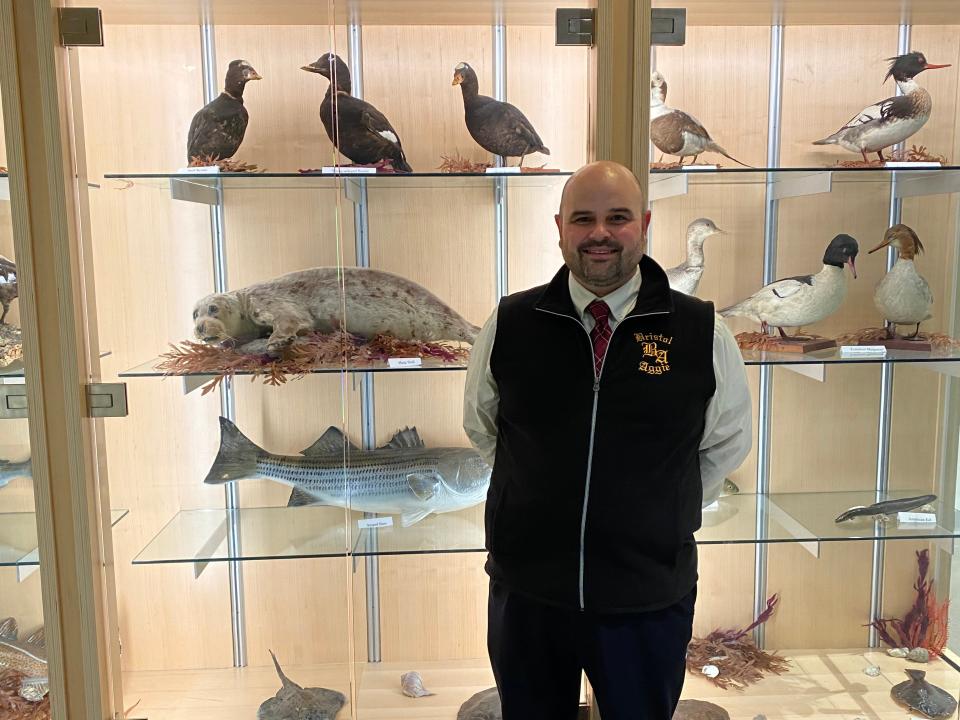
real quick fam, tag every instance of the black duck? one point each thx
(498, 127)
(361, 132)
(218, 127)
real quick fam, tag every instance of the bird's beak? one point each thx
(254, 76)
(719, 231)
(928, 66)
(310, 68)
(886, 241)
(457, 79)
(853, 267)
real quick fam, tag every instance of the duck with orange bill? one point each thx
(890, 121)
(803, 299)
(903, 296)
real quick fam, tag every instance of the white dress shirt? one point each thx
(727, 434)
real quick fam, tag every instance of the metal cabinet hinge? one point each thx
(103, 400)
(80, 26)
(575, 26)
(107, 400)
(668, 26)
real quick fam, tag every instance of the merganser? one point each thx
(804, 299)
(893, 120)
(685, 277)
(674, 132)
(903, 297)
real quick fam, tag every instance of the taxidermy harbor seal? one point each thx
(299, 302)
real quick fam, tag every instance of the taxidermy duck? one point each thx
(219, 126)
(498, 127)
(674, 132)
(804, 299)
(355, 127)
(903, 297)
(893, 120)
(685, 277)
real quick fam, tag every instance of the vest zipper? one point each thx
(593, 430)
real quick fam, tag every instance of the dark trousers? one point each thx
(635, 662)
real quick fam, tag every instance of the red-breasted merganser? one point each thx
(685, 277)
(803, 299)
(674, 132)
(903, 297)
(893, 120)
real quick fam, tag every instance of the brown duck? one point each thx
(498, 127)
(355, 127)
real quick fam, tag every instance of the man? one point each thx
(611, 408)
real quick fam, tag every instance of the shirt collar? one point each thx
(620, 301)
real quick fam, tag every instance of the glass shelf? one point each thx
(18, 537)
(273, 533)
(829, 356)
(268, 533)
(318, 181)
(148, 369)
(832, 356)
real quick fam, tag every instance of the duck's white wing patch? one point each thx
(389, 136)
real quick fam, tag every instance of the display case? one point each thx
(203, 579)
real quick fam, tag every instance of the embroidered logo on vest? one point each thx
(658, 364)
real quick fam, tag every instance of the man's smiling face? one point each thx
(602, 224)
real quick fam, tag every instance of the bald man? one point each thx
(611, 409)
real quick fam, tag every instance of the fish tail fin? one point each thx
(237, 458)
(283, 678)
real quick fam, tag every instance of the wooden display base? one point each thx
(900, 343)
(775, 343)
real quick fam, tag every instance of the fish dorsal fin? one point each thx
(411, 518)
(423, 485)
(406, 438)
(330, 443)
(299, 498)
(8, 629)
(37, 638)
(287, 682)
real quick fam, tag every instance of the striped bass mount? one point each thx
(403, 477)
(27, 657)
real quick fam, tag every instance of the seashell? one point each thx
(871, 670)
(898, 652)
(411, 684)
(711, 671)
(920, 655)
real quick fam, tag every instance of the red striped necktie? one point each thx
(600, 335)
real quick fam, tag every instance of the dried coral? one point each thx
(762, 341)
(14, 707)
(226, 165)
(309, 353)
(925, 624)
(458, 164)
(939, 341)
(737, 657)
(913, 154)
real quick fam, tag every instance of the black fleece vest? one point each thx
(609, 530)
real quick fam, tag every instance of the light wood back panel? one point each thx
(269, 234)
(149, 248)
(830, 73)
(408, 75)
(720, 77)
